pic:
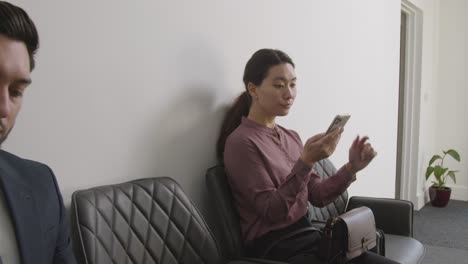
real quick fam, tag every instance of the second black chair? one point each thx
(394, 217)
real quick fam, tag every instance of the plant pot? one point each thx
(439, 197)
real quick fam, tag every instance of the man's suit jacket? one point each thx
(36, 210)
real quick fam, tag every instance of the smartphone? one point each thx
(338, 121)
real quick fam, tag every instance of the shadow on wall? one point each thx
(181, 143)
(181, 140)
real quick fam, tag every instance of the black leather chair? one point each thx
(141, 221)
(393, 217)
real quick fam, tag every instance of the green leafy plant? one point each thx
(440, 172)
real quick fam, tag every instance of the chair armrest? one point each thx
(392, 216)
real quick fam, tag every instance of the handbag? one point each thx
(348, 236)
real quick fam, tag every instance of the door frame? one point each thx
(407, 170)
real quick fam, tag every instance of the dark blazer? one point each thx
(36, 210)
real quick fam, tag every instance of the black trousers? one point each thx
(301, 248)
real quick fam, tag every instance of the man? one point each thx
(33, 228)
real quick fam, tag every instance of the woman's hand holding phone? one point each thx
(320, 146)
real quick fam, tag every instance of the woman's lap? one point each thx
(303, 248)
(370, 257)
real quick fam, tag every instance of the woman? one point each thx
(270, 170)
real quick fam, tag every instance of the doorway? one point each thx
(406, 184)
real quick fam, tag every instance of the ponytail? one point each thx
(232, 120)
(255, 71)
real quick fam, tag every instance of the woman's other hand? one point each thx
(361, 154)
(320, 146)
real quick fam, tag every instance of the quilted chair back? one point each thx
(230, 234)
(325, 169)
(142, 221)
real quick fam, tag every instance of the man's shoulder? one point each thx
(17, 161)
(38, 176)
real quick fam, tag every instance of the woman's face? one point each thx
(276, 93)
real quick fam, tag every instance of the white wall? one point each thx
(452, 95)
(131, 89)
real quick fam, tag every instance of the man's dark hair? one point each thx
(16, 24)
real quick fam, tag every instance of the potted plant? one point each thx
(439, 193)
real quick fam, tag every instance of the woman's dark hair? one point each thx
(255, 72)
(16, 24)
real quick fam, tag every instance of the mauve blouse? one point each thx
(270, 183)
